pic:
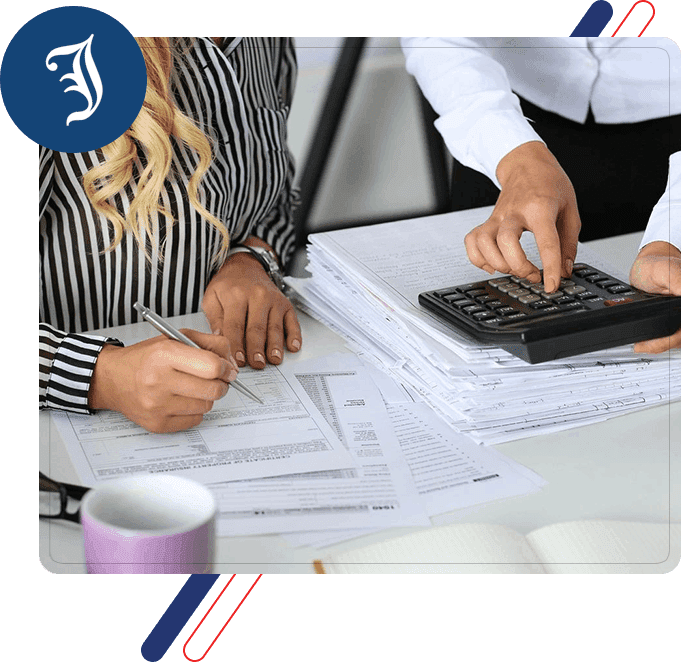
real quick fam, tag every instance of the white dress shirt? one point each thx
(469, 83)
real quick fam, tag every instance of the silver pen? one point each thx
(161, 325)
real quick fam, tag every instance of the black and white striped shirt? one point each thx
(239, 94)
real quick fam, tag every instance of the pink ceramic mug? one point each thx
(149, 524)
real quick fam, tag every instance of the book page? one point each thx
(602, 546)
(458, 548)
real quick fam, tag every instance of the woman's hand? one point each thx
(243, 304)
(536, 196)
(657, 269)
(161, 384)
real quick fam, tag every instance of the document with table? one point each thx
(393, 424)
(238, 437)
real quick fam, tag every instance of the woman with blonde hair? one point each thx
(189, 209)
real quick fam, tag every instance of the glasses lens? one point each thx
(50, 504)
(50, 499)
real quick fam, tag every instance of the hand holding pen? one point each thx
(162, 384)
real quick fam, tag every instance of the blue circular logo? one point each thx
(73, 79)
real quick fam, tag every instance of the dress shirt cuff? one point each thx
(71, 372)
(665, 220)
(487, 141)
(664, 225)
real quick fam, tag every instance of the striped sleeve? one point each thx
(277, 228)
(67, 361)
(45, 177)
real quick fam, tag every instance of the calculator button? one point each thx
(473, 309)
(444, 293)
(575, 289)
(538, 305)
(553, 295)
(563, 299)
(529, 298)
(619, 289)
(494, 303)
(475, 293)
(575, 305)
(454, 297)
(585, 296)
(484, 315)
(498, 281)
(462, 303)
(605, 284)
(471, 286)
(583, 273)
(517, 293)
(596, 278)
(566, 283)
(484, 298)
(515, 279)
(508, 310)
(616, 302)
(580, 266)
(505, 287)
(537, 289)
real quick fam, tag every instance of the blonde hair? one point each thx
(157, 121)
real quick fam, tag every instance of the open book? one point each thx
(594, 546)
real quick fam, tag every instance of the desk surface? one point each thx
(621, 469)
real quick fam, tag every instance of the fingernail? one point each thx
(216, 332)
(240, 357)
(258, 358)
(295, 344)
(276, 353)
(232, 360)
(225, 393)
(568, 266)
(232, 375)
(226, 367)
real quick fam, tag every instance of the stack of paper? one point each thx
(336, 450)
(365, 286)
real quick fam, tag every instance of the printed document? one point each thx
(237, 440)
(378, 492)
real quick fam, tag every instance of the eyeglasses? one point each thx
(54, 499)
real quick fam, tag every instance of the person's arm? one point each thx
(159, 383)
(66, 360)
(657, 267)
(483, 127)
(241, 301)
(66, 364)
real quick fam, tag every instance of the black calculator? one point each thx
(591, 310)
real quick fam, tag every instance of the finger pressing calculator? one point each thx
(591, 310)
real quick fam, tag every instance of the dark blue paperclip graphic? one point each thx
(595, 19)
(176, 616)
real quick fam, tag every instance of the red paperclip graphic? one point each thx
(184, 648)
(632, 9)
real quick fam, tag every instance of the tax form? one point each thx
(379, 492)
(450, 472)
(238, 439)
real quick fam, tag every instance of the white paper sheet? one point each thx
(237, 440)
(378, 492)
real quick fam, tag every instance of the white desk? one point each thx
(626, 468)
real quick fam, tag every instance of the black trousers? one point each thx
(619, 171)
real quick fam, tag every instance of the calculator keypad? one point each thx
(510, 299)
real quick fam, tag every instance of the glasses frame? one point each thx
(65, 490)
